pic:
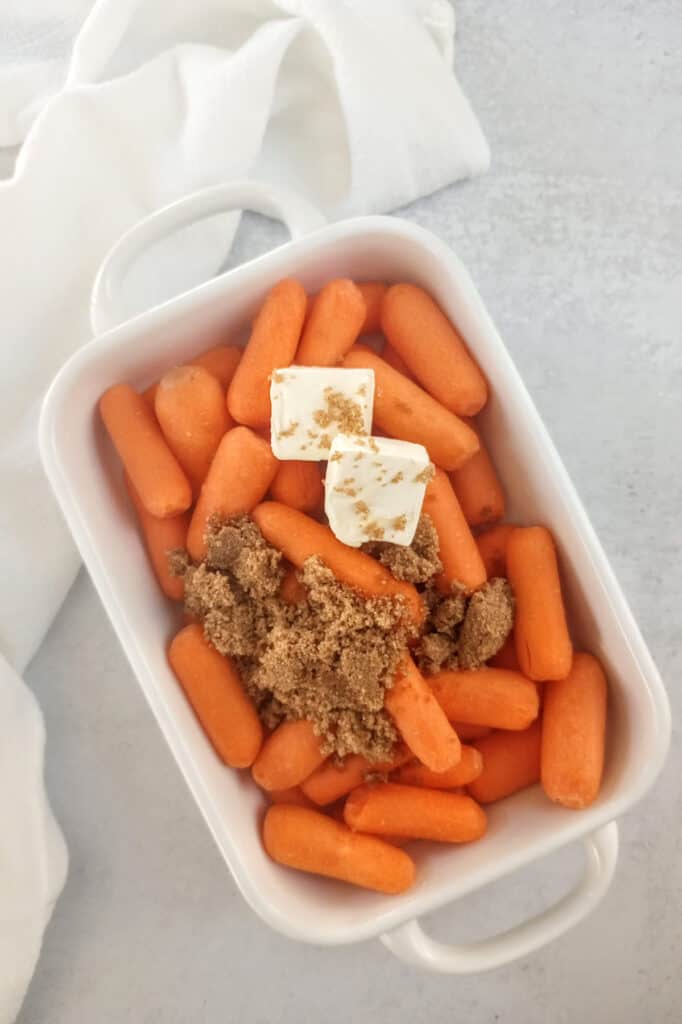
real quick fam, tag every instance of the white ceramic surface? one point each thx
(83, 472)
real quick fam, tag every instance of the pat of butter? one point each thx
(374, 489)
(311, 405)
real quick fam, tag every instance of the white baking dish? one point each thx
(86, 480)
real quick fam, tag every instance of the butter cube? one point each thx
(312, 405)
(374, 489)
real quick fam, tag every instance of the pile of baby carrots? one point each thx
(195, 446)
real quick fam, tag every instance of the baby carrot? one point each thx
(543, 645)
(487, 696)
(291, 589)
(390, 356)
(272, 344)
(478, 489)
(420, 721)
(221, 360)
(336, 316)
(492, 545)
(288, 756)
(241, 472)
(309, 841)
(149, 395)
(414, 812)
(506, 656)
(573, 732)
(511, 761)
(160, 537)
(331, 781)
(299, 485)
(214, 690)
(468, 732)
(461, 560)
(293, 795)
(373, 293)
(156, 475)
(422, 334)
(190, 408)
(298, 537)
(467, 769)
(403, 410)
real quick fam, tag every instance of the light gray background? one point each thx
(574, 239)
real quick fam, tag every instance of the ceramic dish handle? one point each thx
(106, 306)
(411, 944)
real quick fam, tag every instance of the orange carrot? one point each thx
(422, 334)
(293, 795)
(214, 690)
(309, 841)
(415, 813)
(390, 356)
(331, 781)
(543, 645)
(299, 485)
(241, 472)
(419, 719)
(487, 696)
(222, 361)
(511, 761)
(190, 408)
(272, 345)
(492, 545)
(298, 537)
(461, 560)
(403, 410)
(333, 324)
(149, 395)
(156, 475)
(291, 589)
(160, 537)
(289, 755)
(478, 489)
(467, 769)
(506, 656)
(373, 293)
(573, 734)
(468, 732)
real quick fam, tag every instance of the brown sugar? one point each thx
(238, 547)
(342, 411)
(415, 563)
(328, 659)
(465, 630)
(437, 651)
(487, 623)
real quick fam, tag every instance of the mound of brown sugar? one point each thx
(328, 659)
(465, 630)
(416, 563)
(487, 623)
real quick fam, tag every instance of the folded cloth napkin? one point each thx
(119, 107)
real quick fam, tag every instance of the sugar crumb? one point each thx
(426, 474)
(341, 411)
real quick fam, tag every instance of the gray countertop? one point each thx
(574, 239)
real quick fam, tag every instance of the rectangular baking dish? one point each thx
(87, 482)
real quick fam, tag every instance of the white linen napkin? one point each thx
(121, 106)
